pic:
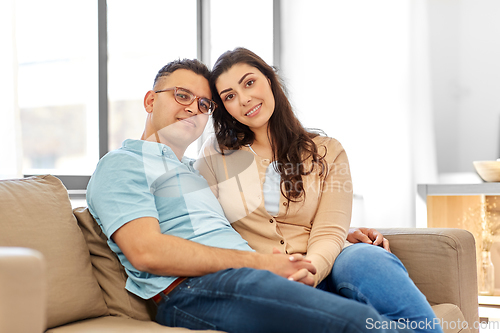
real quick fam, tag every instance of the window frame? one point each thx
(76, 184)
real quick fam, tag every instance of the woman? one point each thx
(285, 189)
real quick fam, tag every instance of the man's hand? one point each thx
(303, 275)
(369, 236)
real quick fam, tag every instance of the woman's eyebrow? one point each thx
(226, 90)
(239, 82)
(243, 77)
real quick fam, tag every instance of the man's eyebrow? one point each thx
(239, 82)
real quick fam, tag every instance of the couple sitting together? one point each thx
(250, 237)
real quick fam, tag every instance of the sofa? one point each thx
(58, 275)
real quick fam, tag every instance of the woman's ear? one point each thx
(149, 101)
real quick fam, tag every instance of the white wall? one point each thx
(347, 65)
(465, 58)
(410, 87)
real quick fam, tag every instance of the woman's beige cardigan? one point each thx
(316, 226)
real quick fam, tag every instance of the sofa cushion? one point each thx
(110, 272)
(451, 318)
(111, 324)
(36, 213)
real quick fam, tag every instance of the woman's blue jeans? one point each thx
(371, 275)
(249, 300)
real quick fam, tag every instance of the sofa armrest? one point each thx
(442, 263)
(22, 290)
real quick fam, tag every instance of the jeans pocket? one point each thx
(184, 319)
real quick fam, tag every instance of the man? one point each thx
(163, 222)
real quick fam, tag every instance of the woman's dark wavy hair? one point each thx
(291, 143)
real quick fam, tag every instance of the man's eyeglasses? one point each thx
(185, 97)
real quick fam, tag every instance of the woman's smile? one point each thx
(253, 112)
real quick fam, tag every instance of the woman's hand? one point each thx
(303, 275)
(369, 236)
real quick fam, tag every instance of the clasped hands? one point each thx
(306, 274)
(302, 269)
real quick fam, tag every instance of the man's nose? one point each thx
(193, 107)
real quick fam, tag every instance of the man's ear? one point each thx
(149, 100)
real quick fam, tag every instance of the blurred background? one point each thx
(409, 87)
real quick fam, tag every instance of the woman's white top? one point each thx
(271, 188)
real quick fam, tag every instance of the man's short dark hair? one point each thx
(193, 65)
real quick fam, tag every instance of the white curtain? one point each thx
(359, 70)
(10, 124)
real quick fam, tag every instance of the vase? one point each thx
(486, 275)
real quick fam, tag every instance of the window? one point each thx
(240, 24)
(57, 85)
(246, 24)
(59, 60)
(143, 36)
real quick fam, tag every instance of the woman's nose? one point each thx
(245, 99)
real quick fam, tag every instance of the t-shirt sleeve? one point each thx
(118, 192)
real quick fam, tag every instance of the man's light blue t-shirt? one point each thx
(145, 179)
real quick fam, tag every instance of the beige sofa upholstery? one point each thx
(58, 275)
(442, 263)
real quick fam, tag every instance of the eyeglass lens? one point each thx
(185, 97)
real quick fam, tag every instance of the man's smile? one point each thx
(188, 121)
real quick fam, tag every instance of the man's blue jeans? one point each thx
(249, 300)
(371, 275)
